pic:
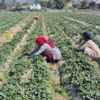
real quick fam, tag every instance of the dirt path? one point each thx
(27, 72)
(17, 49)
(15, 29)
(44, 29)
(26, 75)
(58, 97)
(53, 69)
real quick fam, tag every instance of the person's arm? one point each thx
(37, 51)
(82, 46)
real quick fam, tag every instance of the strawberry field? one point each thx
(8, 20)
(32, 79)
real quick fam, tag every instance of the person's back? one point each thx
(47, 49)
(94, 47)
(89, 47)
(55, 51)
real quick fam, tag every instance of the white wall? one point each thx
(35, 6)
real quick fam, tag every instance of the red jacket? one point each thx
(36, 17)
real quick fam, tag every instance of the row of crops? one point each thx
(74, 29)
(94, 19)
(8, 20)
(96, 12)
(7, 48)
(34, 87)
(78, 74)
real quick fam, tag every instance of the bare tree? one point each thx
(28, 1)
(14, 2)
(9, 4)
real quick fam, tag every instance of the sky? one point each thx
(21, 1)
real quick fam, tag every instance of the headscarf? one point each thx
(36, 17)
(41, 40)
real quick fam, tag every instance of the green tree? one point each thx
(99, 6)
(3, 1)
(60, 3)
(2, 6)
(84, 4)
(68, 0)
(49, 4)
(28, 1)
(43, 3)
(53, 6)
(18, 6)
(25, 3)
(92, 4)
(75, 5)
(14, 2)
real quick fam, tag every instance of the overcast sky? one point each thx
(21, 1)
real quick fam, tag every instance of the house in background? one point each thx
(35, 6)
(69, 4)
(97, 3)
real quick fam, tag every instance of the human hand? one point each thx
(26, 56)
(76, 50)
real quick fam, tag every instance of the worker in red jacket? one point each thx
(47, 49)
(36, 17)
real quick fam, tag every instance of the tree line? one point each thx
(53, 4)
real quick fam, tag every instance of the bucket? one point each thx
(9, 36)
